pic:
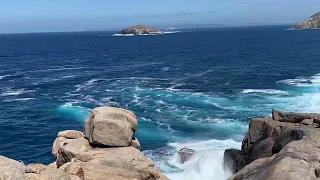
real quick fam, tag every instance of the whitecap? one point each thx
(303, 81)
(4, 76)
(72, 111)
(57, 69)
(18, 99)
(171, 32)
(263, 91)
(65, 77)
(16, 92)
(165, 68)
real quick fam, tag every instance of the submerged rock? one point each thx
(140, 30)
(185, 154)
(278, 148)
(312, 23)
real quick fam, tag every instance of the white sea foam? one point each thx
(264, 91)
(171, 32)
(165, 68)
(18, 99)
(306, 102)
(303, 81)
(66, 77)
(206, 164)
(4, 76)
(123, 35)
(57, 69)
(75, 112)
(12, 92)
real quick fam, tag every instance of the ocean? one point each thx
(195, 88)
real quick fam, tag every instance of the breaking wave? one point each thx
(264, 91)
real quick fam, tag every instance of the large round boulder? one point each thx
(108, 126)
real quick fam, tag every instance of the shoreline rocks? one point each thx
(283, 147)
(11, 169)
(107, 149)
(312, 23)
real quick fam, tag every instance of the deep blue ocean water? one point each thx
(197, 88)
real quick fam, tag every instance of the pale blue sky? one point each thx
(71, 15)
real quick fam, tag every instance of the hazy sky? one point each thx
(70, 15)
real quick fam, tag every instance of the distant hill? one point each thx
(193, 26)
(312, 23)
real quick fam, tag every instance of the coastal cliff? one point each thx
(312, 23)
(140, 30)
(106, 149)
(286, 147)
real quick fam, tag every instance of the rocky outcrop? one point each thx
(140, 30)
(108, 126)
(107, 149)
(42, 172)
(312, 23)
(11, 169)
(185, 154)
(283, 147)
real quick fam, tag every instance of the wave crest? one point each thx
(263, 91)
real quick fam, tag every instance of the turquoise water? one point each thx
(196, 88)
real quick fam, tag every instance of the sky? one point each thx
(77, 15)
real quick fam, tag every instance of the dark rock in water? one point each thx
(278, 148)
(185, 154)
(140, 30)
(312, 23)
(230, 159)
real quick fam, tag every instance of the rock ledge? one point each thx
(286, 146)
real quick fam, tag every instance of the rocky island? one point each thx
(312, 23)
(106, 149)
(140, 30)
(286, 147)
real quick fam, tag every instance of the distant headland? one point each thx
(312, 23)
(139, 30)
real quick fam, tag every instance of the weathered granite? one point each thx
(11, 169)
(106, 150)
(279, 148)
(312, 23)
(109, 126)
